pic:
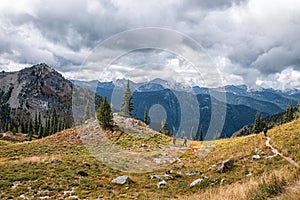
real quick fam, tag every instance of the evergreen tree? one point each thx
(35, 124)
(192, 133)
(258, 124)
(40, 131)
(289, 115)
(146, 120)
(8, 127)
(297, 113)
(105, 115)
(164, 128)
(20, 129)
(127, 105)
(30, 130)
(201, 135)
(182, 134)
(87, 111)
(54, 122)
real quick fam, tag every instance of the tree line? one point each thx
(36, 126)
(260, 123)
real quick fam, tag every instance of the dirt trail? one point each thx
(275, 151)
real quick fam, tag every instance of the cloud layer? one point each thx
(251, 42)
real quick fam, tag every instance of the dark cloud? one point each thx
(244, 38)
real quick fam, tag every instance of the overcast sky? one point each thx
(255, 42)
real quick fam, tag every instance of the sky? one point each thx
(252, 42)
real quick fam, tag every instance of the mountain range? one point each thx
(241, 103)
(40, 89)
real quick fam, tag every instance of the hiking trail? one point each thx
(276, 152)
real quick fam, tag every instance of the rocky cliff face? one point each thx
(37, 89)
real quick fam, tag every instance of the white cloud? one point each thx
(253, 42)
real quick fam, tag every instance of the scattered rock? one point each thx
(190, 173)
(196, 182)
(213, 166)
(82, 173)
(222, 181)
(226, 165)
(56, 161)
(214, 181)
(169, 171)
(122, 180)
(256, 157)
(256, 150)
(161, 183)
(22, 196)
(159, 176)
(44, 197)
(249, 174)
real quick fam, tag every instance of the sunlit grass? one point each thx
(50, 166)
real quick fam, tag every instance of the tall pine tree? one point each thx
(201, 135)
(289, 113)
(258, 124)
(127, 105)
(105, 115)
(146, 118)
(297, 113)
(164, 128)
(54, 122)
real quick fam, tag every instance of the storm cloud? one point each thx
(251, 42)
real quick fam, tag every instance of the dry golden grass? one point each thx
(250, 188)
(29, 164)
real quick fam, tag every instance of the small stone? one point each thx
(196, 182)
(226, 165)
(249, 174)
(56, 161)
(222, 181)
(82, 173)
(122, 180)
(161, 183)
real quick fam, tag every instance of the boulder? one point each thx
(196, 182)
(82, 173)
(169, 171)
(122, 180)
(161, 183)
(255, 157)
(157, 176)
(226, 165)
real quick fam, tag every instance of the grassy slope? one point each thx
(29, 166)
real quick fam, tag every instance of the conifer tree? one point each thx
(182, 134)
(19, 129)
(164, 128)
(127, 105)
(297, 114)
(35, 124)
(146, 120)
(54, 122)
(289, 114)
(201, 135)
(258, 124)
(30, 130)
(104, 115)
